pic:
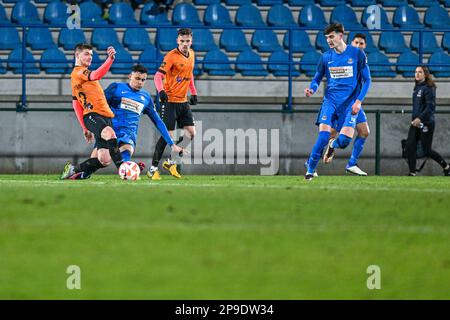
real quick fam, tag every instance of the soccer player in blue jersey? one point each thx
(344, 67)
(129, 101)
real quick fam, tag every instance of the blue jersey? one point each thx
(344, 72)
(128, 105)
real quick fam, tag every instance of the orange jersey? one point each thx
(177, 69)
(89, 93)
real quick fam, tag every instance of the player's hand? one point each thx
(309, 92)
(356, 107)
(111, 52)
(88, 136)
(178, 149)
(415, 122)
(193, 100)
(163, 96)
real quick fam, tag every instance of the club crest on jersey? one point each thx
(179, 79)
(324, 118)
(350, 61)
(419, 93)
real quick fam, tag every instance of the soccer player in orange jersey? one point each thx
(93, 113)
(173, 80)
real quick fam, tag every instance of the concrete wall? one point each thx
(44, 141)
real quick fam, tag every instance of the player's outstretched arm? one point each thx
(104, 68)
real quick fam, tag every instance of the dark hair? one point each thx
(428, 78)
(83, 46)
(336, 27)
(139, 68)
(184, 32)
(360, 35)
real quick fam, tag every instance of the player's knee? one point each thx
(343, 141)
(104, 159)
(108, 134)
(363, 132)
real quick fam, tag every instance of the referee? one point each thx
(422, 124)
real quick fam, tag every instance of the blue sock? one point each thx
(126, 155)
(358, 146)
(316, 152)
(342, 142)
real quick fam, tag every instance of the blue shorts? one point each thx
(347, 119)
(124, 136)
(337, 119)
(327, 114)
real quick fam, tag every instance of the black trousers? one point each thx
(425, 135)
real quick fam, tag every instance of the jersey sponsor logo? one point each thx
(341, 72)
(131, 105)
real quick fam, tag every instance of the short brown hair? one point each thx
(184, 32)
(336, 27)
(83, 46)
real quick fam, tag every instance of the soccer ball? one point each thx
(129, 170)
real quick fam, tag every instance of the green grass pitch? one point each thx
(225, 237)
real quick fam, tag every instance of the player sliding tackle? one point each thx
(344, 67)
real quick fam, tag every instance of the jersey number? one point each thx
(86, 105)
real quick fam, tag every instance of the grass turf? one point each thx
(225, 237)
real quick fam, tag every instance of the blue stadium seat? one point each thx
(309, 62)
(203, 40)
(446, 41)
(429, 43)
(217, 15)
(265, 41)
(2, 67)
(437, 17)
(153, 58)
(280, 16)
(102, 38)
(167, 39)
(300, 3)
(91, 13)
(362, 3)
(185, 13)
(136, 38)
(446, 3)
(368, 20)
(9, 39)
(406, 17)
(375, 58)
(237, 2)
(300, 41)
(249, 63)
(123, 62)
(3, 18)
(268, 2)
(278, 68)
(206, 2)
(16, 67)
(212, 65)
(370, 45)
(321, 42)
(233, 40)
(14, 1)
(424, 3)
(249, 15)
(393, 3)
(50, 66)
(392, 42)
(198, 71)
(153, 19)
(25, 12)
(345, 15)
(45, 1)
(39, 39)
(408, 57)
(69, 38)
(312, 16)
(440, 57)
(56, 13)
(121, 13)
(330, 3)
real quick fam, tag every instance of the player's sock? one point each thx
(341, 142)
(126, 155)
(316, 152)
(88, 167)
(114, 152)
(358, 146)
(159, 150)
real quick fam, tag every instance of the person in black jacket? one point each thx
(422, 125)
